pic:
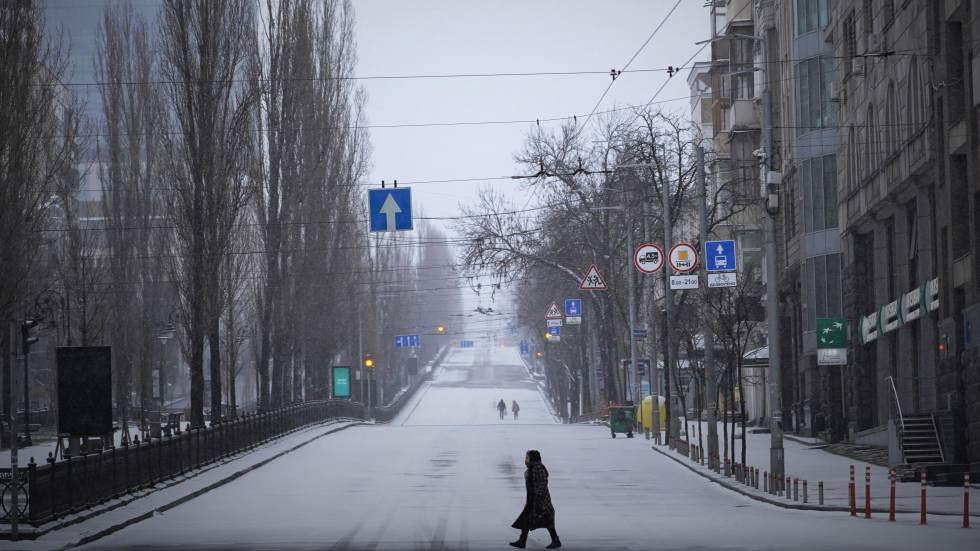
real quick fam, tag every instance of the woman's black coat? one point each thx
(538, 511)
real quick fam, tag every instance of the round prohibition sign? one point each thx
(648, 258)
(683, 258)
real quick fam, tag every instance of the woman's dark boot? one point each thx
(555, 544)
(521, 543)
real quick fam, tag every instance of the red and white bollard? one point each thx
(966, 500)
(922, 498)
(851, 497)
(891, 497)
(867, 491)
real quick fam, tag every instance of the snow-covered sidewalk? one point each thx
(113, 515)
(814, 465)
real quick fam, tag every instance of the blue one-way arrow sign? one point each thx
(390, 209)
(719, 256)
(573, 307)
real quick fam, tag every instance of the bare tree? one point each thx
(203, 49)
(128, 174)
(31, 152)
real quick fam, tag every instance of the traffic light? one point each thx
(369, 361)
(441, 329)
(538, 354)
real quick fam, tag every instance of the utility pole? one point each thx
(707, 331)
(776, 456)
(631, 286)
(360, 356)
(672, 426)
(651, 341)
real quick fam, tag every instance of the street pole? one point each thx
(360, 356)
(651, 341)
(27, 390)
(707, 331)
(631, 286)
(776, 456)
(13, 451)
(673, 425)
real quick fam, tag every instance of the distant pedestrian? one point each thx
(538, 511)
(515, 409)
(502, 408)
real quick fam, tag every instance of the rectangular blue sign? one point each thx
(573, 307)
(719, 256)
(408, 341)
(556, 331)
(390, 209)
(466, 344)
(525, 349)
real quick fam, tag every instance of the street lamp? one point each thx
(165, 335)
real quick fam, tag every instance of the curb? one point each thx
(736, 487)
(197, 493)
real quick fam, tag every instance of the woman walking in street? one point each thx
(538, 511)
(515, 408)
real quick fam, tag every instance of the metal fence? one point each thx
(57, 488)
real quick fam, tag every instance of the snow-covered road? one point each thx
(448, 474)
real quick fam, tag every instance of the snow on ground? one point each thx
(814, 464)
(458, 484)
(466, 390)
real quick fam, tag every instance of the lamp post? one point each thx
(165, 335)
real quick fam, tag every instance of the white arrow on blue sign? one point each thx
(390, 209)
(408, 341)
(573, 307)
(719, 256)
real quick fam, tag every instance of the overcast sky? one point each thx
(426, 37)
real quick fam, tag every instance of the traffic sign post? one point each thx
(390, 209)
(648, 258)
(681, 282)
(683, 258)
(554, 334)
(553, 312)
(408, 341)
(719, 256)
(593, 281)
(573, 311)
(722, 279)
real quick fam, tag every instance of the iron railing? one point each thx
(57, 488)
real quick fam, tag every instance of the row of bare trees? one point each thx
(211, 192)
(592, 187)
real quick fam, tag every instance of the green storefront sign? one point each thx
(831, 333)
(341, 382)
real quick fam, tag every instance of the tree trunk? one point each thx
(214, 340)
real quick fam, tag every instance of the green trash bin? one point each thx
(622, 419)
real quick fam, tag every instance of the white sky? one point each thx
(469, 36)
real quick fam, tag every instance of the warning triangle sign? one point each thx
(593, 280)
(553, 312)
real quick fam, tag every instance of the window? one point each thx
(823, 289)
(914, 98)
(813, 107)
(871, 142)
(893, 133)
(811, 15)
(818, 178)
(850, 44)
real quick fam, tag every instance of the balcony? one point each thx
(740, 115)
(739, 10)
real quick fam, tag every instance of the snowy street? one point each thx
(448, 474)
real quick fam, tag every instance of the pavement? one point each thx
(814, 464)
(448, 474)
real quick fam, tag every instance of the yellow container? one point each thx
(646, 414)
